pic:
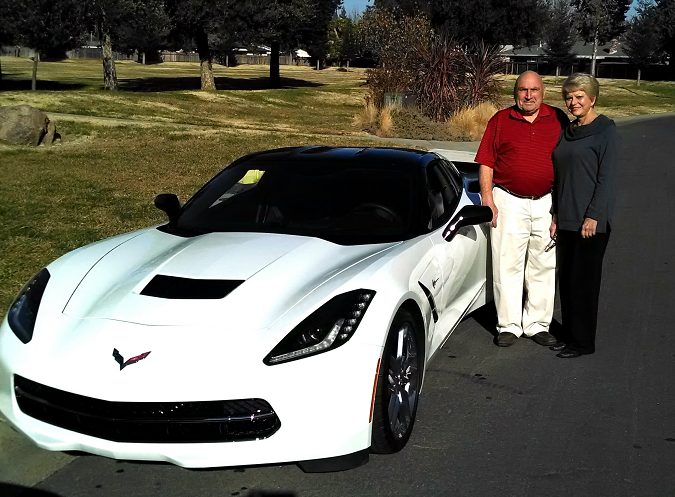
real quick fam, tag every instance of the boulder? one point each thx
(26, 125)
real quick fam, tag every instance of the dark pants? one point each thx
(579, 275)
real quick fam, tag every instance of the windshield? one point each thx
(340, 202)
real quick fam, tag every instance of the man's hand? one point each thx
(553, 229)
(588, 228)
(485, 180)
(490, 203)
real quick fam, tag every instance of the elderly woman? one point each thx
(585, 163)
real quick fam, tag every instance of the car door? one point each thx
(461, 261)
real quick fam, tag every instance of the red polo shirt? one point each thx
(520, 152)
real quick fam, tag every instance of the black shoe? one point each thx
(558, 346)
(544, 338)
(569, 353)
(506, 339)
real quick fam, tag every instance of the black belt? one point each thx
(528, 197)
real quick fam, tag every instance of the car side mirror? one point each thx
(467, 216)
(169, 203)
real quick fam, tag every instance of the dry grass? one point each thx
(366, 120)
(385, 122)
(469, 124)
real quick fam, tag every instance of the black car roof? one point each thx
(378, 156)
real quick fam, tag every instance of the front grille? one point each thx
(148, 422)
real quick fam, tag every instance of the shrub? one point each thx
(443, 75)
(398, 43)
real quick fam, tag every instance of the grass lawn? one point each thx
(159, 133)
(618, 97)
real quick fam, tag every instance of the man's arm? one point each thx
(485, 179)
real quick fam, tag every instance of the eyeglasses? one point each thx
(550, 245)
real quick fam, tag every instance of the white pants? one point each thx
(520, 265)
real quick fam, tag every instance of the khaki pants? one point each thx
(521, 267)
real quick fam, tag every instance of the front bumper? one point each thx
(321, 406)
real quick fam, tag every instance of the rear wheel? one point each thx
(398, 386)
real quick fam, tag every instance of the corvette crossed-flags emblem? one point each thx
(123, 364)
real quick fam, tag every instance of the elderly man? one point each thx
(516, 178)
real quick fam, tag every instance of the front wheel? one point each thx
(398, 386)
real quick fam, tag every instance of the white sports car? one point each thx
(285, 313)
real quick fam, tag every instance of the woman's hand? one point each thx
(588, 228)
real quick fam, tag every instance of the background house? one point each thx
(611, 61)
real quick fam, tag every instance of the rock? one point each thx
(26, 125)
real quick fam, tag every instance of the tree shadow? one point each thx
(47, 85)
(143, 85)
(222, 83)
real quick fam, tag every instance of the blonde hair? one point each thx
(581, 81)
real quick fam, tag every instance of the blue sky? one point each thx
(359, 5)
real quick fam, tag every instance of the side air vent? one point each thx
(173, 287)
(432, 302)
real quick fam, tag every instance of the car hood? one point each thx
(265, 274)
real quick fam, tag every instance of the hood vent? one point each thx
(173, 287)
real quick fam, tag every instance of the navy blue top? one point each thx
(586, 163)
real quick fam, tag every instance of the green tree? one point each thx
(315, 35)
(404, 7)
(666, 19)
(600, 21)
(342, 39)
(286, 24)
(8, 23)
(146, 29)
(209, 23)
(642, 38)
(560, 34)
(278, 25)
(47, 26)
(105, 16)
(494, 22)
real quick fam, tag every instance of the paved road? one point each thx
(508, 422)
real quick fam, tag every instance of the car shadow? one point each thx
(486, 317)
(11, 490)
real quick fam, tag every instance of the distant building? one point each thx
(611, 61)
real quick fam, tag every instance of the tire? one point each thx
(398, 386)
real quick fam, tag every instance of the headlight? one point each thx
(24, 309)
(330, 326)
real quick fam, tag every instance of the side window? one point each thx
(442, 195)
(455, 177)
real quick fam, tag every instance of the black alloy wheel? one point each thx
(398, 386)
